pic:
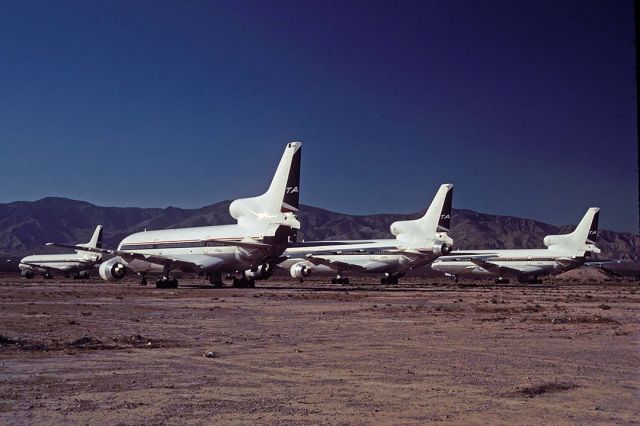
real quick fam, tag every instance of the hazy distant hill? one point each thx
(26, 226)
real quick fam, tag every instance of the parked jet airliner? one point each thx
(416, 243)
(77, 265)
(248, 249)
(563, 252)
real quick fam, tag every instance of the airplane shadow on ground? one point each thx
(374, 288)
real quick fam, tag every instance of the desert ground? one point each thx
(426, 350)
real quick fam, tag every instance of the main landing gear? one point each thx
(244, 282)
(143, 279)
(81, 275)
(390, 278)
(501, 280)
(216, 280)
(530, 280)
(166, 281)
(340, 280)
(47, 276)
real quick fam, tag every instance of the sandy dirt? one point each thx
(284, 353)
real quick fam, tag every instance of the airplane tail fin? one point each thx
(96, 239)
(582, 241)
(280, 203)
(433, 227)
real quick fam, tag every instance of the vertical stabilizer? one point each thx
(433, 227)
(281, 201)
(96, 239)
(582, 241)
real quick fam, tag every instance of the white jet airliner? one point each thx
(563, 252)
(76, 265)
(416, 243)
(247, 250)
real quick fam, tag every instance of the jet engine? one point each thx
(441, 249)
(300, 271)
(261, 273)
(112, 270)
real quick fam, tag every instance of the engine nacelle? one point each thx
(261, 273)
(112, 270)
(300, 271)
(441, 249)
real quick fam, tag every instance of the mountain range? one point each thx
(26, 226)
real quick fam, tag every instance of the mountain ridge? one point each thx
(25, 226)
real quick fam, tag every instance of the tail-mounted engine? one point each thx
(112, 270)
(441, 249)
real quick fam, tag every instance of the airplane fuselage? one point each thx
(533, 262)
(368, 256)
(193, 245)
(67, 263)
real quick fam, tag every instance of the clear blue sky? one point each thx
(527, 107)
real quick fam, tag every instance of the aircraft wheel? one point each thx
(47, 276)
(240, 283)
(334, 281)
(215, 280)
(167, 283)
(384, 281)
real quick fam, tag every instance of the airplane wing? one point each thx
(336, 264)
(169, 261)
(467, 255)
(494, 268)
(243, 244)
(568, 262)
(129, 256)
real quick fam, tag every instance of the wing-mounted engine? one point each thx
(112, 270)
(279, 205)
(431, 230)
(300, 270)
